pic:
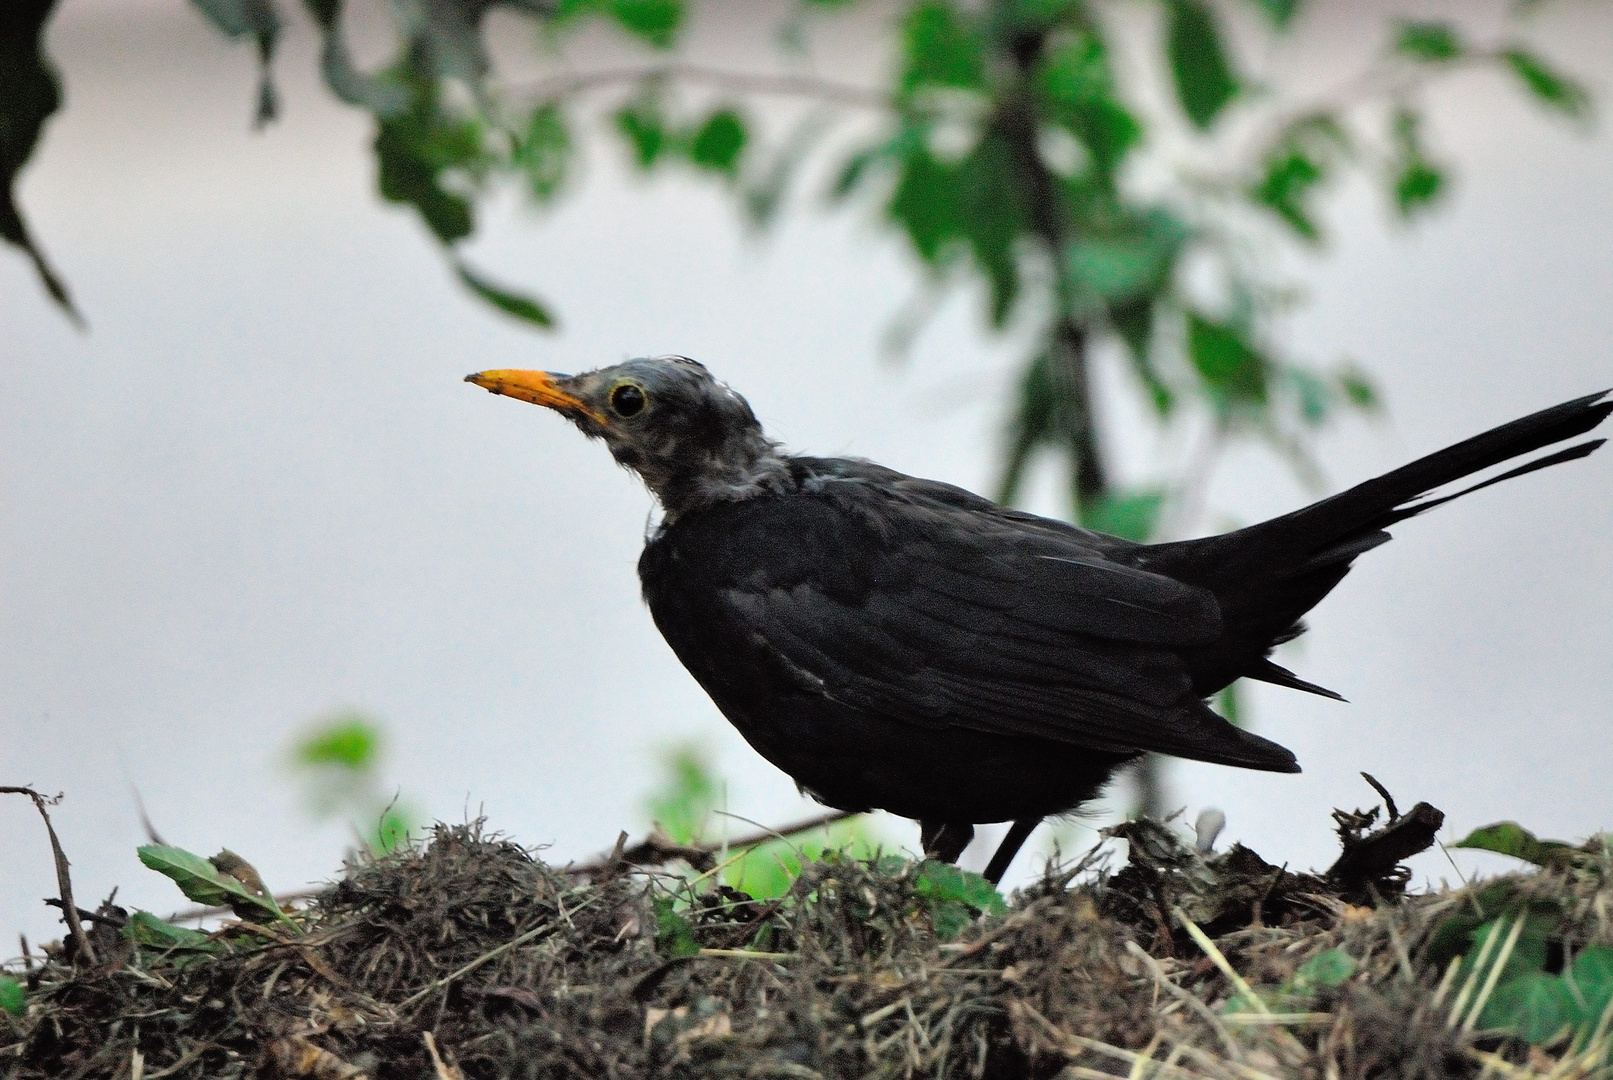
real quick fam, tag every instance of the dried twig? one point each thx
(64, 880)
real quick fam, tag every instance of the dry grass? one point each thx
(469, 958)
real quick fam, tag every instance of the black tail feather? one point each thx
(1268, 575)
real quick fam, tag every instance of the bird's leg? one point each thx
(945, 840)
(1018, 833)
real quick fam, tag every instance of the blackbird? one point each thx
(902, 644)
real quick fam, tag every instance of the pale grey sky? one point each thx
(256, 491)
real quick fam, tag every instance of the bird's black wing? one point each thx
(922, 603)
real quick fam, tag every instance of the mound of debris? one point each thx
(467, 957)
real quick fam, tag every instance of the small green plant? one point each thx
(339, 761)
(954, 898)
(686, 800)
(1509, 964)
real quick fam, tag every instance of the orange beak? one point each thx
(537, 387)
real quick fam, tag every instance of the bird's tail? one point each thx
(1268, 575)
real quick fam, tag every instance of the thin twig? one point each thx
(657, 848)
(64, 880)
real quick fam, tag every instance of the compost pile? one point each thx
(467, 957)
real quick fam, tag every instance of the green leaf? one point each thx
(674, 934)
(1205, 81)
(1278, 12)
(418, 150)
(1549, 87)
(926, 204)
(1300, 161)
(544, 152)
(1358, 390)
(201, 880)
(350, 742)
(1431, 42)
(1233, 371)
(719, 142)
(1529, 951)
(1229, 703)
(1133, 321)
(392, 831)
(29, 94)
(259, 20)
(953, 897)
(1289, 175)
(513, 303)
(941, 47)
(13, 998)
(1534, 1007)
(687, 794)
(1510, 838)
(645, 128)
(1120, 268)
(144, 928)
(1331, 968)
(769, 869)
(943, 881)
(1418, 182)
(1130, 515)
(1592, 975)
(656, 21)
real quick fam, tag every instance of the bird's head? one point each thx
(689, 437)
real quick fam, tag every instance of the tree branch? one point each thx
(742, 82)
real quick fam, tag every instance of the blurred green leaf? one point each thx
(1358, 389)
(1134, 261)
(13, 998)
(1592, 976)
(719, 142)
(767, 870)
(1133, 322)
(1433, 42)
(419, 150)
(29, 93)
(1331, 968)
(1301, 159)
(644, 126)
(1510, 838)
(656, 21)
(1233, 371)
(682, 803)
(1205, 81)
(1130, 515)
(926, 203)
(1229, 703)
(1279, 12)
(259, 20)
(544, 152)
(513, 303)
(350, 742)
(1534, 1007)
(392, 831)
(1550, 87)
(1418, 182)
(941, 47)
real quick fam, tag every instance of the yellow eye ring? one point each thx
(628, 399)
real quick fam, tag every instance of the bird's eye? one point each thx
(627, 400)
